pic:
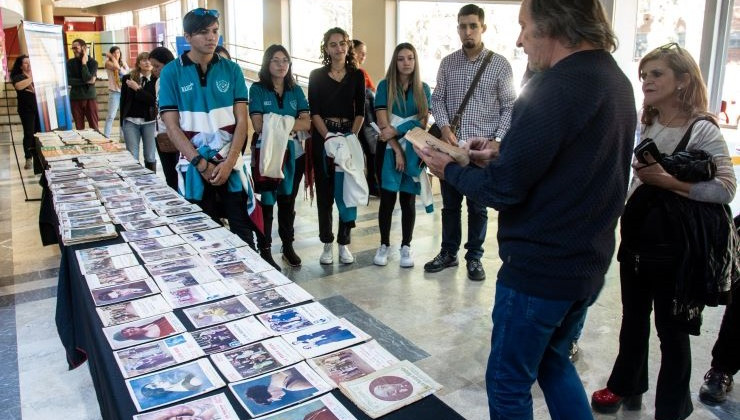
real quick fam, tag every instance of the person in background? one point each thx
(361, 55)
(159, 57)
(558, 181)
(22, 79)
(116, 68)
(81, 75)
(276, 94)
(402, 103)
(336, 94)
(649, 263)
(138, 108)
(368, 137)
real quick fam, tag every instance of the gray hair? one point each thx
(574, 21)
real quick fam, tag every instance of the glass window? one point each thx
(173, 23)
(119, 21)
(730, 107)
(305, 39)
(431, 26)
(245, 25)
(192, 4)
(149, 15)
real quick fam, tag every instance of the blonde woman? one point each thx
(116, 68)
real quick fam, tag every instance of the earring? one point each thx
(680, 87)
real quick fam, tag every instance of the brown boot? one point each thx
(152, 166)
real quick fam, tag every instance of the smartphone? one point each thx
(647, 147)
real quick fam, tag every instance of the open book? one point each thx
(421, 139)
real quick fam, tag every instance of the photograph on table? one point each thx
(143, 330)
(149, 179)
(255, 359)
(72, 236)
(123, 292)
(90, 195)
(230, 335)
(144, 224)
(85, 256)
(276, 390)
(296, 318)
(113, 200)
(108, 263)
(162, 198)
(207, 235)
(125, 211)
(189, 218)
(254, 282)
(389, 389)
(105, 193)
(213, 313)
(145, 358)
(174, 384)
(74, 190)
(229, 255)
(325, 407)
(133, 310)
(125, 203)
(194, 295)
(191, 277)
(279, 297)
(77, 182)
(243, 268)
(325, 338)
(352, 363)
(215, 407)
(170, 204)
(140, 235)
(117, 276)
(172, 266)
(171, 253)
(187, 227)
(77, 205)
(231, 242)
(134, 216)
(174, 211)
(82, 222)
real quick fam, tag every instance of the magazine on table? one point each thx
(106, 187)
(288, 386)
(324, 407)
(174, 211)
(123, 212)
(87, 221)
(167, 267)
(279, 297)
(200, 293)
(133, 310)
(189, 218)
(140, 235)
(97, 265)
(144, 224)
(212, 313)
(153, 187)
(77, 205)
(171, 253)
(163, 198)
(135, 216)
(71, 236)
(191, 277)
(255, 359)
(230, 335)
(126, 203)
(187, 227)
(352, 363)
(237, 269)
(215, 407)
(389, 389)
(169, 204)
(229, 255)
(117, 276)
(325, 338)
(296, 318)
(207, 235)
(83, 196)
(125, 196)
(156, 192)
(143, 330)
(76, 182)
(123, 292)
(174, 384)
(106, 193)
(230, 242)
(150, 179)
(74, 190)
(156, 355)
(85, 256)
(84, 212)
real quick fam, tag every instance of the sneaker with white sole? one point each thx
(381, 255)
(327, 256)
(407, 257)
(345, 257)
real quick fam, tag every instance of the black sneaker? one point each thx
(290, 256)
(715, 387)
(443, 260)
(475, 270)
(574, 352)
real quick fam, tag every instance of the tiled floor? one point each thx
(440, 321)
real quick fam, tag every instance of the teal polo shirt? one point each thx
(264, 101)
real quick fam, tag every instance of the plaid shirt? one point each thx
(488, 113)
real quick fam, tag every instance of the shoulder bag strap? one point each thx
(685, 139)
(458, 115)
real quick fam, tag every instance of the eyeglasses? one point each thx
(202, 12)
(278, 62)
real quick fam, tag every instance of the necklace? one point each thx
(666, 124)
(337, 74)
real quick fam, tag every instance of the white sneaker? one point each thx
(381, 255)
(407, 257)
(327, 256)
(345, 257)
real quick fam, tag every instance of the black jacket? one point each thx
(139, 103)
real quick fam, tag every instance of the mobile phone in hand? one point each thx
(647, 147)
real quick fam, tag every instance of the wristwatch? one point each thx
(196, 160)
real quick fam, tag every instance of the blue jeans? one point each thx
(530, 341)
(133, 133)
(452, 224)
(114, 102)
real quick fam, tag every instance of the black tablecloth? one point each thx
(80, 330)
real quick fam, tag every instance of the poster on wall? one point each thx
(46, 53)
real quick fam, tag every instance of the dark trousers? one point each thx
(286, 210)
(324, 185)
(85, 108)
(30, 122)
(388, 203)
(218, 202)
(645, 287)
(452, 224)
(169, 161)
(726, 351)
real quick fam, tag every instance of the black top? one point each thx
(138, 103)
(78, 77)
(329, 98)
(26, 98)
(560, 180)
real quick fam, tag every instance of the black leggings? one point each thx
(388, 203)
(286, 210)
(30, 122)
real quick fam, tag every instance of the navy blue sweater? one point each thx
(560, 180)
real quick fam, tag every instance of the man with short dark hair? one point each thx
(487, 115)
(82, 73)
(203, 104)
(559, 182)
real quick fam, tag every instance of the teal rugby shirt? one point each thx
(205, 101)
(263, 101)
